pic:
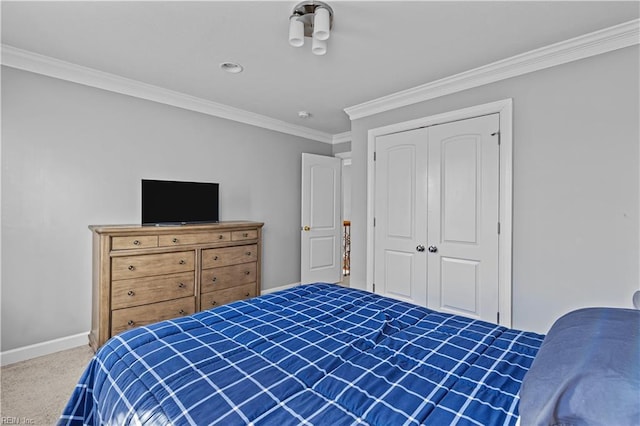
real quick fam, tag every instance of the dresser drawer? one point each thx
(124, 319)
(134, 242)
(142, 291)
(250, 234)
(201, 238)
(222, 297)
(227, 276)
(147, 265)
(212, 258)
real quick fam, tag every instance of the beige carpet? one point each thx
(35, 391)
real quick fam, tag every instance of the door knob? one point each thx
(420, 248)
(433, 249)
(306, 228)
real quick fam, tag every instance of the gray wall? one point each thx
(74, 156)
(576, 183)
(341, 147)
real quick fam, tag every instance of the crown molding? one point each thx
(591, 44)
(51, 67)
(341, 137)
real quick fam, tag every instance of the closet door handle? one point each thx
(420, 248)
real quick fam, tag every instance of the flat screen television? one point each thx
(178, 203)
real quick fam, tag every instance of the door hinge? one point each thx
(498, 228)
(498, 317)
(374, 221)
(496, 133)
(374, 156)
(374, 287)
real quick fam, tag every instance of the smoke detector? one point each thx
(231, 67)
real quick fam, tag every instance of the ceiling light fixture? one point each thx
(311, 19)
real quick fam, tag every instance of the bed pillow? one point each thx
(587, 371)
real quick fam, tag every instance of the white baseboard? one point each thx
(286, 286)
(45, 348)
(282, 287)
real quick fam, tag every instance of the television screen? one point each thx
(178, 203)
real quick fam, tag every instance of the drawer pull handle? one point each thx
(214, 303)
(246, 234)
(247, 272)
(181, 285)
(136, 242)
(182, 262)
(174, 241)
(248, 253)
(130, 323)
(130, 293)
(215, 258)
(214, 279)
(247, 295)
(182, 312)
(131, 267)
(220, 237)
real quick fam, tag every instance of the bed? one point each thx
(314, 354)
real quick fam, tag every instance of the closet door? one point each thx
(436, 217)
(463, 172)
(400, 216)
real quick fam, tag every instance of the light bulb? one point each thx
(296, 31)
(318, 47)
(321, 23)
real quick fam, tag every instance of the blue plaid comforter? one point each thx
(315, 354)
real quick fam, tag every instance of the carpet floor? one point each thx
(35, 391)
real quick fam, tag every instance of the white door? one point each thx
(321, 231)
(463, 217)
(436, 214)
(400, 209)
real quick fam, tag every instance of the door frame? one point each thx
(505, 110)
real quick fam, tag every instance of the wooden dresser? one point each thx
(145, 274)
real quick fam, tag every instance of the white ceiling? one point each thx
(375, 49)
